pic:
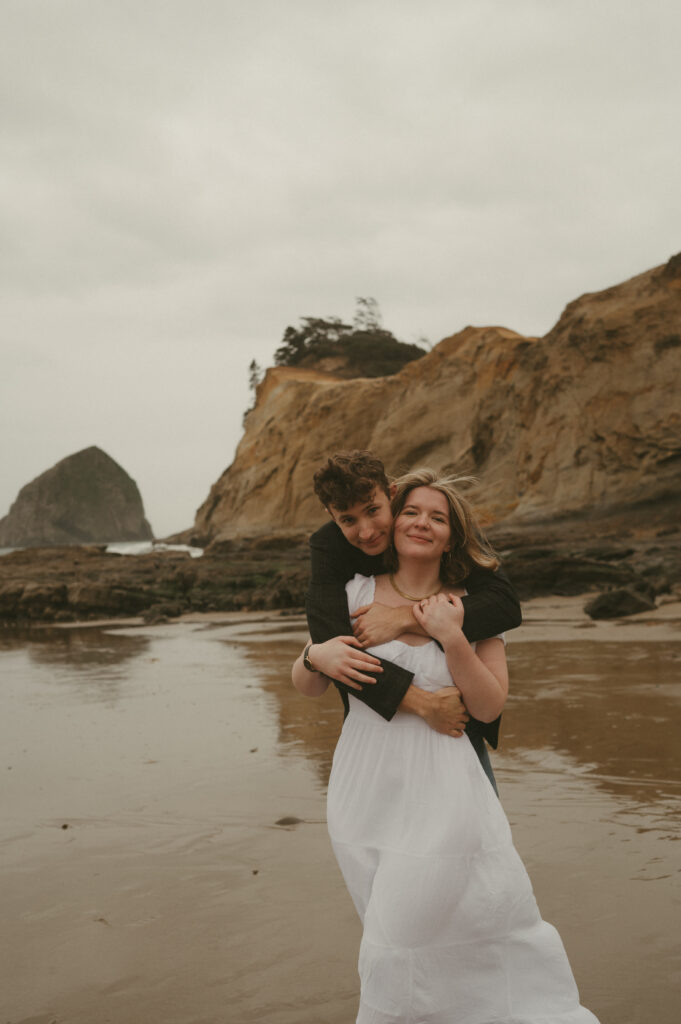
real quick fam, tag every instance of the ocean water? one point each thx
(135, 547)
(145, 547)
(146, 772)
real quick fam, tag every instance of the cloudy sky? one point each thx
(182, 179)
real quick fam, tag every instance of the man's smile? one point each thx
(373, 542)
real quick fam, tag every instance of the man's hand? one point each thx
(376, 623)
(441, 616)
(343, 660)
(446, 712)
(443, 711)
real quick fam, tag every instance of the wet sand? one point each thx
(145, 768)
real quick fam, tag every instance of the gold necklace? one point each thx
(407, 596)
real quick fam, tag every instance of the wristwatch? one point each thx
(306, 661)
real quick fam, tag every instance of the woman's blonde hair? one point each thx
(469, 546)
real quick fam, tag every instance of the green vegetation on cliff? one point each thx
(361, 349)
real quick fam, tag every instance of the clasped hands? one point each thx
(343, 659)
(439, 616)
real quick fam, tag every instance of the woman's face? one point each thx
(422, 528)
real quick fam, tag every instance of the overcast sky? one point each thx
(182, 179)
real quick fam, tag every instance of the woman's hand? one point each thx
(481, 673)
(375, 624)
(343, 659)
(441, 616)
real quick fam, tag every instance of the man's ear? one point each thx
(393, 490)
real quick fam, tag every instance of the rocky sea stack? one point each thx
(85, 498)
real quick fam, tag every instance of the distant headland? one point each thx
(583, 420)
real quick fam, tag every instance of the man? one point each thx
(354, 489)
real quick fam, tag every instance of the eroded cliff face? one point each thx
(586, 418)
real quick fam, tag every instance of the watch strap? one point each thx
(306, 659)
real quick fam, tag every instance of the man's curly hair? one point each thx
(349, 477)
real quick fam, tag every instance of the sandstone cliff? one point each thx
(84, 498)
(584, 419)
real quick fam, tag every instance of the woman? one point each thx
(452, 932)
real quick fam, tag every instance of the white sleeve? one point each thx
(499, 636)
(360, 590)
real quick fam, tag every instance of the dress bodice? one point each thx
(427, 661)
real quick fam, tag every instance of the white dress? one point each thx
(452, 933)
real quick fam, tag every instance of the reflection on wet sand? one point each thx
(93, 660)
(307, 727)
(80, 650)
(612, 708)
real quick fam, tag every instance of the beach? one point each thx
(164, 846)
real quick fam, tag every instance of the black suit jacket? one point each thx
(491, 607)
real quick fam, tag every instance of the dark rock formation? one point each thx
(615, 604)
(65, 584)
(271, 572)
(85, 498)
(636, 548)
(536, 571)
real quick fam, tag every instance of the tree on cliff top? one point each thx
(361, 349)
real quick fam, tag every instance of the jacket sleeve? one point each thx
(490, 607)
(328, 616)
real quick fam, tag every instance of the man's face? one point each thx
(366, 524)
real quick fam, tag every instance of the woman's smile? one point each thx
(424, 522)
